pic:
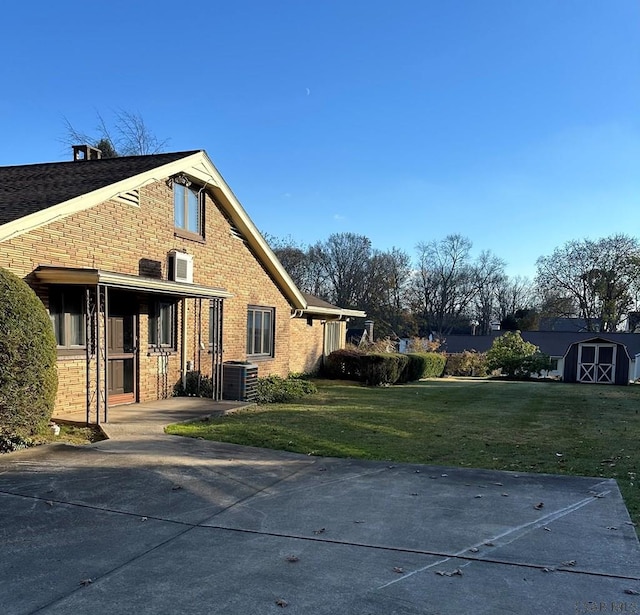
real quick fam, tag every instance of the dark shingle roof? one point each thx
(313, 301)
(27, 189)
(553, 343)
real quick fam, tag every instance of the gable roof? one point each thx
(27, 189)
(32, 196)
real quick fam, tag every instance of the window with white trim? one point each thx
(188, 208)
(260, 331)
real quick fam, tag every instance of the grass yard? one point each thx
(546, 427)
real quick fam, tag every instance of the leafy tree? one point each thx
(28, 376)
(128, 136)
(512, 355)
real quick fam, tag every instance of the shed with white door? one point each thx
(598, 360)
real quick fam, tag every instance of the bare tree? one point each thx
(599, 277)
(128, 136)
(344, 259)
(385, 298)
(443, 283)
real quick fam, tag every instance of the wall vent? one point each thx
(180, 267)
(129, 198)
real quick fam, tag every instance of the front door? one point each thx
(121, 364)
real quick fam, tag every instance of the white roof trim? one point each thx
(198, 166)
(93, 277)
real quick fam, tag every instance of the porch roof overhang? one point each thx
(95, 277)
(332, 313)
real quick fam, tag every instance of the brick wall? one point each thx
(127, 239)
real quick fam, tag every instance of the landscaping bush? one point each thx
(467, 363)
(274, 389)
(196, 384)
(513, 356)
(382, 368)
(423, 365)
(343, 364)
(28, 376)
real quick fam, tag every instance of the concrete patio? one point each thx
(157, 524)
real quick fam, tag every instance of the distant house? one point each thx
(150, 269)
(598, 358)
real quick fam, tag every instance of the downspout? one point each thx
(183, 344)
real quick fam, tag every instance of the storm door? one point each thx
(121, 356)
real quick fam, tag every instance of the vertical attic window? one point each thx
(188, 208)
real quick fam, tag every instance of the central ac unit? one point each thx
(180, 267)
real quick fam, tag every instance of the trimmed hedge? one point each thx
(382, 368)
(378, 368)
(28, 376)
(274, 389)
(344, 365)
(423, 365)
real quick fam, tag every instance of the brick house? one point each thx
(150, 269)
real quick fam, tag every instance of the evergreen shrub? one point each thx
(28, 374)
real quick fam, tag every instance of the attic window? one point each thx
(188, 209)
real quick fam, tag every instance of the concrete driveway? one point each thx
(161, 524)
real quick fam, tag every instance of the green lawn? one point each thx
(522, 426)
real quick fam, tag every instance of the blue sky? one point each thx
(514, 123)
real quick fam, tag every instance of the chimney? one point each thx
(368, 327)
(86, 152)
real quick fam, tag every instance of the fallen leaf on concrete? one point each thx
(320, 531)
(539, 505)
(292, 558)
(282, 603)
(398, 569)
(632, 592)
(86, 582)
(443, 573)
(570, 562)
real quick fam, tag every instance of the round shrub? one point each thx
(28, 376)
